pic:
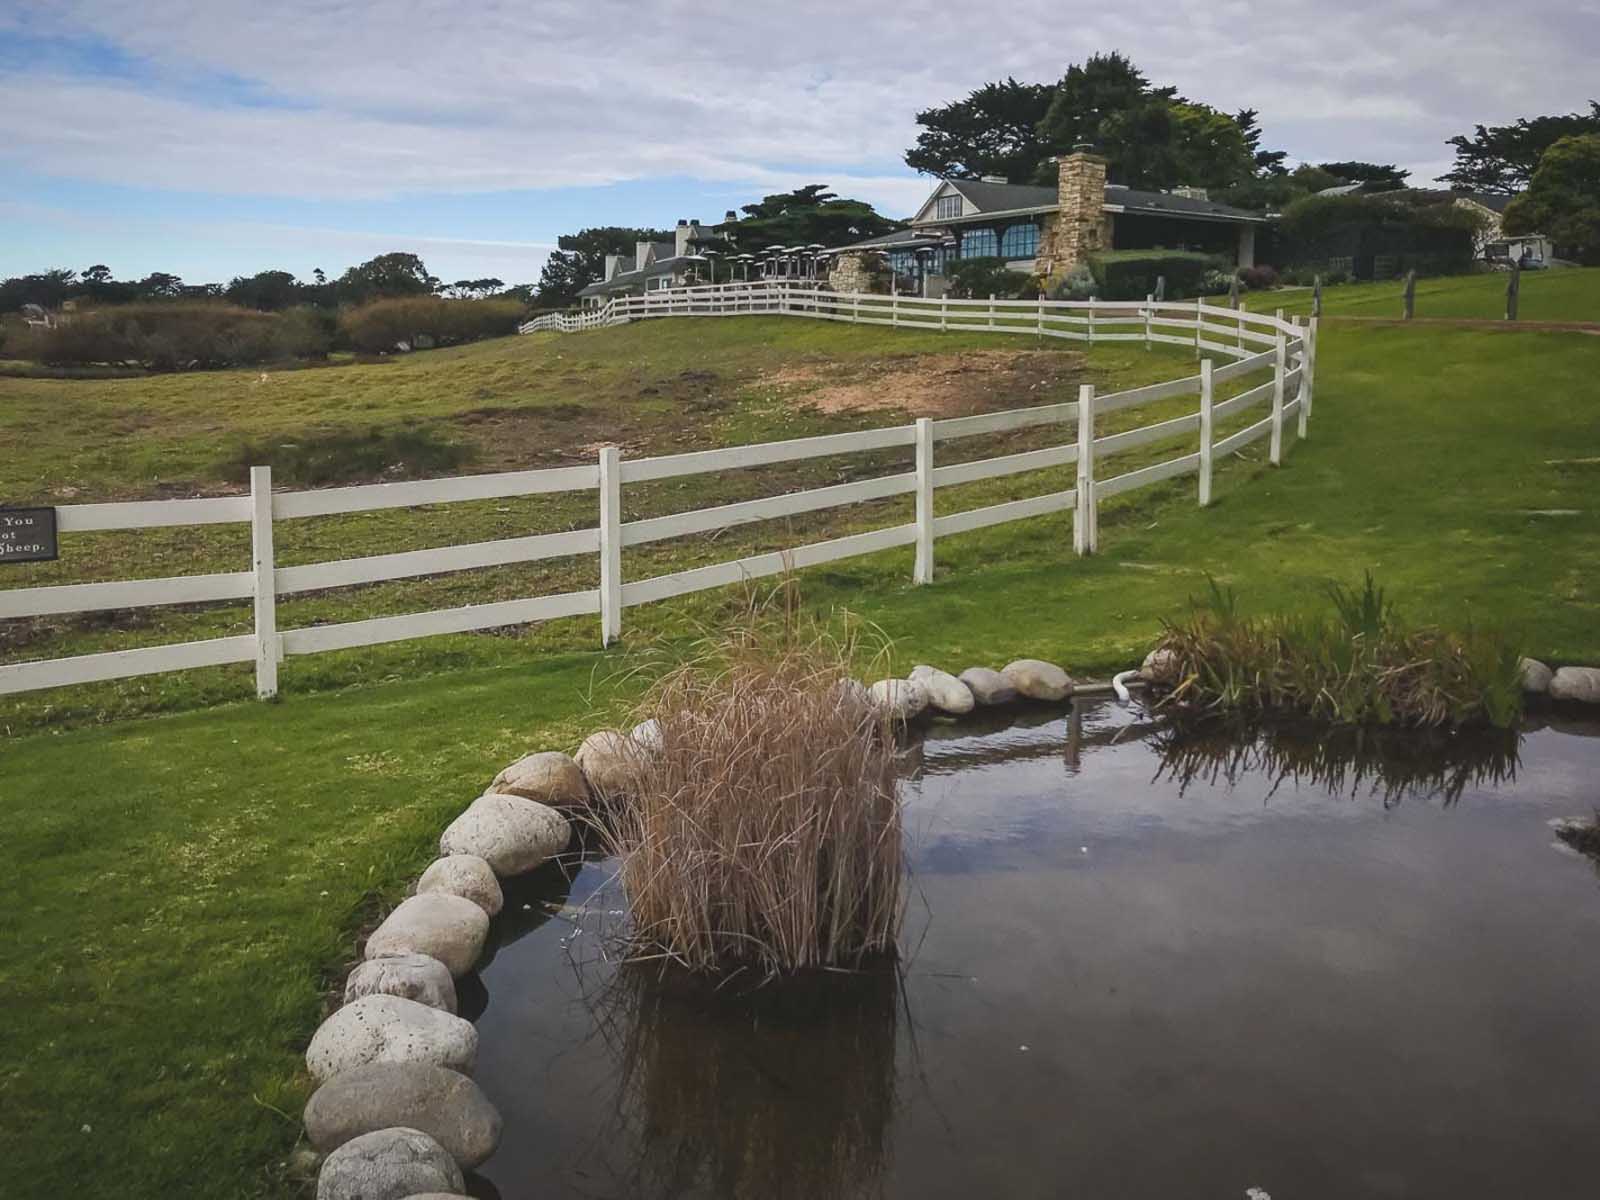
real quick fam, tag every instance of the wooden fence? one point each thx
(1252, 343)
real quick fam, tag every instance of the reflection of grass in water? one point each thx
(781, 1090)
(1390, 763)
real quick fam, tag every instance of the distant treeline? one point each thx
(387, 276)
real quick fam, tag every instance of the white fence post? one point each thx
(1279, 366)
(610, 545)
(991, 310)
(1205, 432)
(924, 568)
(1039, 328)
(944, 313)
(855, 308)
(1083, 513)
(1309, 377)
(268, 646)
(1197, 316)
(1091, 320)
(1149, 314)
(894, 308)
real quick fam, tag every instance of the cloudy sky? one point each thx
(219, 137)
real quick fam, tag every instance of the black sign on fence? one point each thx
(27, 535)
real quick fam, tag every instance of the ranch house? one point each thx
(1048, 230)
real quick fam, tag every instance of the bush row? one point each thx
(182, 336)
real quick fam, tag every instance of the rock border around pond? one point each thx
(393, 1059)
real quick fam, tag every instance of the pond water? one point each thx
(1134, 966)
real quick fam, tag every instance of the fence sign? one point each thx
(27, 535)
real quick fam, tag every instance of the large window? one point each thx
(946, 207)
(979, 243)
(1020, 241)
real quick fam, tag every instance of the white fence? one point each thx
(1253, 342)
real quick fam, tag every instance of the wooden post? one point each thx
(1083, 513)
(991, 310)
(269, 646)
(1316, 295)
(1310, 377)
(1303, 391)
(1410, 295)
(894, 308)
(1205, 432)
(1161, 287)
(610, 545)
(1513, 288)
(1091, 318)
(1039, 326)
(924, 443)
(1233, 291)
(1149, 313)
(1280, 365)
(1197, 303)
(944, 312)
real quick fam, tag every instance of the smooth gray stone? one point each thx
(549, 777)
(511, 833)
(988, 686)
(388, 1164)
(444, 1104)
(945, 692)
(1576, 683)
(449, 928)
(390, 1029)
(410, 976)
(901, 699)
(464, 875)
(1038, 680)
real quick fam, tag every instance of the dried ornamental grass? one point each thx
(764, 828)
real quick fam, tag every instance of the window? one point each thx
(979, 243)
(946, 207)
(1020, 241)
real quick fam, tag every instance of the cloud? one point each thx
(320, 99)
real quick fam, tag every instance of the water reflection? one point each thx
(786, 1089)
(1388, 763)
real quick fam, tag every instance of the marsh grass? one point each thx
(1360, 665)
(764, 829)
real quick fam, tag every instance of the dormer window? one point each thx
(947, 206)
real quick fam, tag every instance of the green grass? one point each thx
(1566, 294)
(178, 887)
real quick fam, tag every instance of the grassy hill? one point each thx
(1555, 295)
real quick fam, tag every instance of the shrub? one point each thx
(980, 278)
(1362, 665)
(1132, 274)
(1077, 284)
(763, 825)
(175, 336)
(1409, 229)
(1258, 278)
(385, 325)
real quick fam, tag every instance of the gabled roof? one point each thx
(656, 266)
(1003, 197)
(1168, 204)
(989, 198)
(900, 239)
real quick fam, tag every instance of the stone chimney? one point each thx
(641, 255)
(1082, 226)
(680, 238)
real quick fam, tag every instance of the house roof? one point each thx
(653, 268)
(991, 198)
(900, 239)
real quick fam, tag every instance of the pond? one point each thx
(1134, 965)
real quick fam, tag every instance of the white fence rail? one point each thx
(1253, 342)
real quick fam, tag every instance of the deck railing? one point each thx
(1252, 343)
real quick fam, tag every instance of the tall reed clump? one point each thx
(1360, 664)
(763, 827)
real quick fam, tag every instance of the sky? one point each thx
(212, 138)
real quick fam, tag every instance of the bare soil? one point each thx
(933, 385)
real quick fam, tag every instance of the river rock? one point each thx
(512, 834)
(444, 1104)
(409, 976)
(1576, 683)
(464, 875)
(390, 1029)
(1535, 676)
(442, 926)
(388, 1164)
(945, 692)
(1038, 680)
(988, 686)
(901, 699)
(549, 777)
(1160, 667)
(647, 735)
(610, 761)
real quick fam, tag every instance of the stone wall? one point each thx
(852, 273)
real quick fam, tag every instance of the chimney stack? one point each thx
(1082, 226)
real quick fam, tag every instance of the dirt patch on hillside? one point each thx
(933, 385)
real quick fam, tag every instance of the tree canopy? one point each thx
(803, 217)
(1503, 158)
(1151, 136)
(1563, 198)
(580, 259)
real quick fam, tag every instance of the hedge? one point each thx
(1132, 274)
(174, 336)
(416, 321)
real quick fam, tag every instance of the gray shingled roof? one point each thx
(1008, 197)
(1000, 197)
(888, 241)
(661, 266)
(1135, 200)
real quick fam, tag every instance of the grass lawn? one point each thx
(1566, 294)
(179, 888)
